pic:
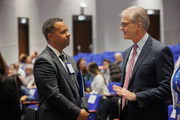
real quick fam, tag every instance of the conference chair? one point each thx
(112, 92)
(88, 83)
(25, 104)
(94, 105)
(31, 112)
(76, 58)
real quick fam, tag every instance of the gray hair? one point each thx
(118, 54)
(29, 66)
(138, 14)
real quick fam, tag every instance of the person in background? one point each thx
(110, 107)
(34, 54)
(22, 60)
(24, 94)
(19, 70)
(112, 71)
(28, 81)
(9, 102)
(115, 72)
(11, 71)
(28, 60)
(81, 64)
(106, 70)
(118, 58)
(98, 84)
(147, 69)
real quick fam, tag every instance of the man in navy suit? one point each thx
(146, 73)
(56, 77)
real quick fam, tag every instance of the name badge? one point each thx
(71, 70)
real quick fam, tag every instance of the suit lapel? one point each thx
(61, 68)
(144, 52)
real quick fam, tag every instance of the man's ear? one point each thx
(139, 25)
(50, 36)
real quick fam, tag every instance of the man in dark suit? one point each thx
(146, 71)
(56, 77)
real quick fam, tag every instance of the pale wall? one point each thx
(106, 22)
(37, 11)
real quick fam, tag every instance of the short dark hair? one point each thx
(106, 60)
(48, 26)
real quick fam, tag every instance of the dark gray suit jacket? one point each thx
(56, 94)
(150, 81)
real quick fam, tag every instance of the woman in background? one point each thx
(98, 84)
(81, 64)
(9, 102)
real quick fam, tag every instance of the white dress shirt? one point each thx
(140, 45)
(58, 54)
(98, 86)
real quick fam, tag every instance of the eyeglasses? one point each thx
(125, 24)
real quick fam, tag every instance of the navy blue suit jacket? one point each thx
(150, 81)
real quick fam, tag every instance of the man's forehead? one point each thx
(125, 18)
(60, 24)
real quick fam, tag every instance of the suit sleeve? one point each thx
(46, 80)
(163, 70)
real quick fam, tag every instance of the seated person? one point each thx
(110, 107)
(81, 64)
(28, 60)
(28, 81)
(22, 60)
(19, 70)
(111, 71)
(34, 54)
(118, 58)
(24, 94)
(106, 70)
(98, 84)
(115, 72)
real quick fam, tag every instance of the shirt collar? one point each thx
(55, 51)
(142, 41)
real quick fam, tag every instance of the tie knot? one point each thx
(62, 57)
(135, 46)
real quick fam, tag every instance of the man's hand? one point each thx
(125, 93)
(83, 115)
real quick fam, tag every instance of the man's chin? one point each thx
(126, 38)
(67, 44)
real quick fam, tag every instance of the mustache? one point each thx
(68, 38)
